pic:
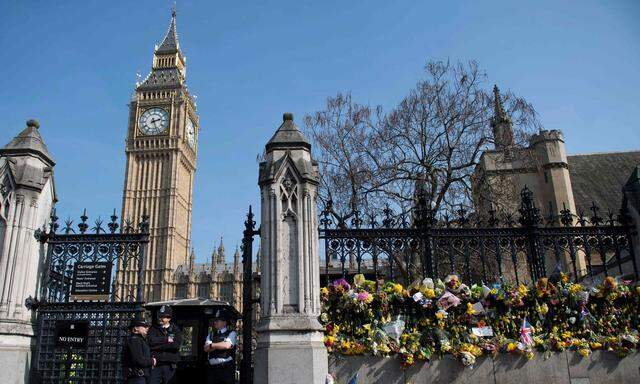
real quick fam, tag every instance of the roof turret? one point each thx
(288, 135)
(170, 43)
(29, 141)
(501, 123)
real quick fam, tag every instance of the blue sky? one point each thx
(72, 65)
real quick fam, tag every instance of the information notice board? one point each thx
(91, 280)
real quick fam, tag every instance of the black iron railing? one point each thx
(494, 247)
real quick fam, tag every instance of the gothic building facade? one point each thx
(217, 280)
(558, 181)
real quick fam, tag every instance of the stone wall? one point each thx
(561, 368)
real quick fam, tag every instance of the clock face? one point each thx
(154, 121)
(191, 133)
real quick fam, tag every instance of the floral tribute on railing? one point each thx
(429, 319)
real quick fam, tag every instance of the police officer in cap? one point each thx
(164, 339)
(137, 358)
(221, 348)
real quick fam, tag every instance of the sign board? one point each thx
(72, 333)
(91, 279)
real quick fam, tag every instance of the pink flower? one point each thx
(363, 296)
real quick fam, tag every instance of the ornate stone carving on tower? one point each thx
(501, 123)
(27, 194)
(290, 348)
(161, 149)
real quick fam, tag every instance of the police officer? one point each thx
(137, 358)
(221, 348)
(164, 341)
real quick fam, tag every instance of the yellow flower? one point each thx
(472, 349)
(329, 340)
(575, 288)
(511, 347)
(324, 291)
(595, 345)
(523, 290)
(529, 355)
(544, 308)
(397, 288)
(470, 310)
(566, 335)
(358, 279)
(585, 352)
(429, 293)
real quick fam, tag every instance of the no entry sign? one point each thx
(72, 333)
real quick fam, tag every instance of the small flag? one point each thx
(354, 379)
(584, 312)
(526, 332)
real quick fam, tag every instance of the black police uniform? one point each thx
(165, 347)
(222, 373)
(136, 356)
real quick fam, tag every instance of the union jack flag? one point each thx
(526, 332)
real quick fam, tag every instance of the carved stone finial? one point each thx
(287, 116)
(33, 123)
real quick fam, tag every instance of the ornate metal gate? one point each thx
(94, 357)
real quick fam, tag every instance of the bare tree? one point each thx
(431, 140)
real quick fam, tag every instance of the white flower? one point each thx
(428, 283)
(467, 358)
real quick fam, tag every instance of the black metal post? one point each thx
(246, 368)
(143, 228)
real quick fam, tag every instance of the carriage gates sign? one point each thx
(91, 278)
(72, 333)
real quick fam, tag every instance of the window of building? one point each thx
(203, 290)
(181, 291)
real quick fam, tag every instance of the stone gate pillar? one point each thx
(27, 194)
(290, 348)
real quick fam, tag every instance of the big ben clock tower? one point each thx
(161, 149)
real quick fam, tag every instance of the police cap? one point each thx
(165, 311)
(138, 321)
(222, 314)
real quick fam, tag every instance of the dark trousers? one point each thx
(224, 374)
(136, 380)
(162, 374)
